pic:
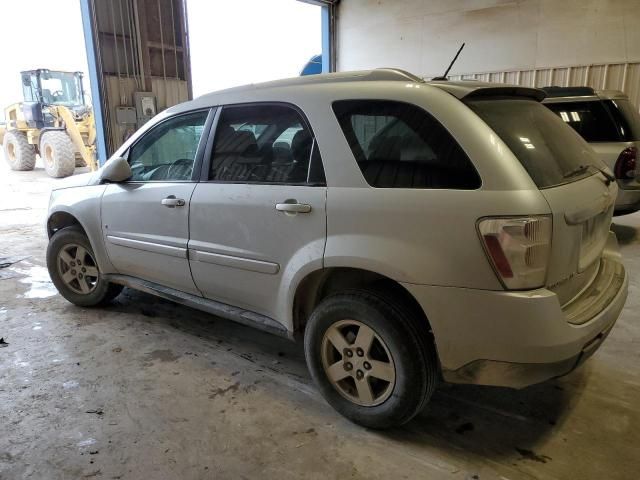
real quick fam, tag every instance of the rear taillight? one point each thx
(518, 248)
(626, 164)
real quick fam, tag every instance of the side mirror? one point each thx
(115, 170)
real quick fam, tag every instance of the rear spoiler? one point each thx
(479, 90)
(533, 93)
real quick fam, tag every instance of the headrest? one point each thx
(231, 141)
(301, 144)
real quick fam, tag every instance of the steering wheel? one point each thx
(180, 169)
(57, 93)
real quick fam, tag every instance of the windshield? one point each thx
(550, 151)
(61, 88)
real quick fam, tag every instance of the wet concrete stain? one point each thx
(221, 391)
(163, 356)
(530, 455)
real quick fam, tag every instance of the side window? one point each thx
(168, 151)
(264, 144)
(398, 145)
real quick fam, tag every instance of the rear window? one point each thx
(398, 145)
(591, 119)
(552, 153)
(600, 120)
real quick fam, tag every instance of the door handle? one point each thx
(293, 207)
(171, 201)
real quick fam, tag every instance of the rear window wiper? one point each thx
(582, 168)
(576, 171)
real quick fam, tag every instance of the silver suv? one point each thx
(411, 231)
(607, 120)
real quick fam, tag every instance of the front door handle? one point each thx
(171, 201)
(293, 207)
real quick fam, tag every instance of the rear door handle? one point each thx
(171, 201)
(291, 207)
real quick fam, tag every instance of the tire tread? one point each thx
(64, 159)
(25, 152)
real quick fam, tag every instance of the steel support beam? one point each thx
(94, 79)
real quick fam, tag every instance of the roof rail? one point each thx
(569, 91)
(378, 74)
(392, 74)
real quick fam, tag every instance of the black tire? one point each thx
(18, 153)
(58, 154)
(103, 292)
(409, 344)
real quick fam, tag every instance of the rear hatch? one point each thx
(569, 176)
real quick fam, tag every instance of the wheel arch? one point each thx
(319, 284)
(62, 219)
(61, 216)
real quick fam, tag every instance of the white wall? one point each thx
(501, 35)
(39, 34)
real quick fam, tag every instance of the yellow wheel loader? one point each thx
(53, 121)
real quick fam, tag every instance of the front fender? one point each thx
(84, 205)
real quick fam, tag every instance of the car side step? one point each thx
(223, 310)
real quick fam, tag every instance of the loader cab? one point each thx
(49, 87)
(43, 87)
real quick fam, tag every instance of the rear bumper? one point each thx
(628, 199)
(516, 339)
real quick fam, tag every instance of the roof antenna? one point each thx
(444, 77)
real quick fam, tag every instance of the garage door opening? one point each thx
(250, 41)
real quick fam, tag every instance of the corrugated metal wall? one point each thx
(531, 42)
(168, 92)
(142, 46)
(610, 76)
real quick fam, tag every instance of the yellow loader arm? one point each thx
(88, 150)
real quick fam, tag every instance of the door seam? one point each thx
(189, 239)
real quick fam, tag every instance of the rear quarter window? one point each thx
(399, 145)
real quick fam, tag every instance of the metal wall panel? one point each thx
(139, 46)
(168, 92)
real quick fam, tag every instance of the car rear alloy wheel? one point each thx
(358, 363)
(371, 356)
(78, 269)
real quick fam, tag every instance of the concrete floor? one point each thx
(148, 389)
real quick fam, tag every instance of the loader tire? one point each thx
(58, 154)
(20, 155)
